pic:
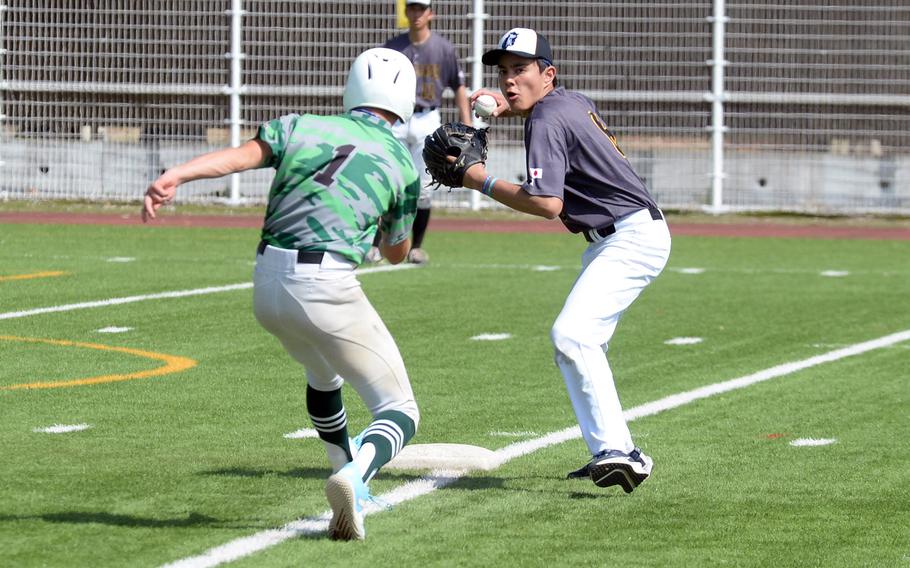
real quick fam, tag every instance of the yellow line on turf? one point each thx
(173, 364)
(46, 274)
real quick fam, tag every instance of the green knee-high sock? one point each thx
(327, 414)
(382, 440)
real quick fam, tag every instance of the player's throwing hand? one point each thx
(159, 192)
(502, 106)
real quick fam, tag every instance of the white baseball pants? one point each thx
(412, 134)
(325, 322)
(614, 272)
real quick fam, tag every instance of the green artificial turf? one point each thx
(174, 465)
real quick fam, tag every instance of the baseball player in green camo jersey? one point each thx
(337, 179)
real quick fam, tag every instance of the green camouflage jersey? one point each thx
(338, 178)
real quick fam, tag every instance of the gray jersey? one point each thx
(573, 156)
(436, 66)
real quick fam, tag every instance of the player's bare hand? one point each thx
(502, 106)
(159, 192)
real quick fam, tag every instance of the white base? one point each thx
(460, 457)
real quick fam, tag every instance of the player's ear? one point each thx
(549, 75)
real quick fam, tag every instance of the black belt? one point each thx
(423, 109)
(303, 256)
(604, 232)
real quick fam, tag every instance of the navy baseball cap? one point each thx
(522, 42)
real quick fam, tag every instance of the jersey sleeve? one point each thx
(276, 134)
(547, 159)
(397, 222)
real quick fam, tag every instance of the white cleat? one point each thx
(418, 256)
(346, 491)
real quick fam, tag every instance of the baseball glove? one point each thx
(466, 144)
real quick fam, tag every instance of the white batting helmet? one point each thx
(382, 78)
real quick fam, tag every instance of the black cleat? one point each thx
(584, 472)
(613, 467)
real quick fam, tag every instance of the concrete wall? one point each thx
(811, 182)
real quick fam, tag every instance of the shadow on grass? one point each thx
(577, 489)
(477, 483)
(86, 517)
(466, 482)
(302, 472)
(578, 495)
(321, 473)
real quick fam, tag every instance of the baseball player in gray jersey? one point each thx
(577, 172)
(337, 178)
(437, 68)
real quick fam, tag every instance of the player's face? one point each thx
(522, 82)
(418, 15)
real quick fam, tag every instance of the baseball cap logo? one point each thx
(523, 42)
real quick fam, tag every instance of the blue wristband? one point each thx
(487, 188)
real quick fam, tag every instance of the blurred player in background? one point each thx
(577, 172)
(437, 67)
(338, 178)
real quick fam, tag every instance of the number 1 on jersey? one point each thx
(327, 176)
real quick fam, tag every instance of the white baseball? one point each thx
(484, 105)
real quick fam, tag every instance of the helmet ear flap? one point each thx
(382, 78)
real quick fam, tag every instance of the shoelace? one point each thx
(378, 503)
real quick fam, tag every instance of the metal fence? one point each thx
(788, 106)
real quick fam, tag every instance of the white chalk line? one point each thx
(246, 546)
(491, 337)
(126, 300)
(302, 433)
(374, 269)
(61, 428)
(166, 295)
(683, 341)
(833, 345)
(520, 434)
(787, 271)
(810, 442)
(113, 329)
